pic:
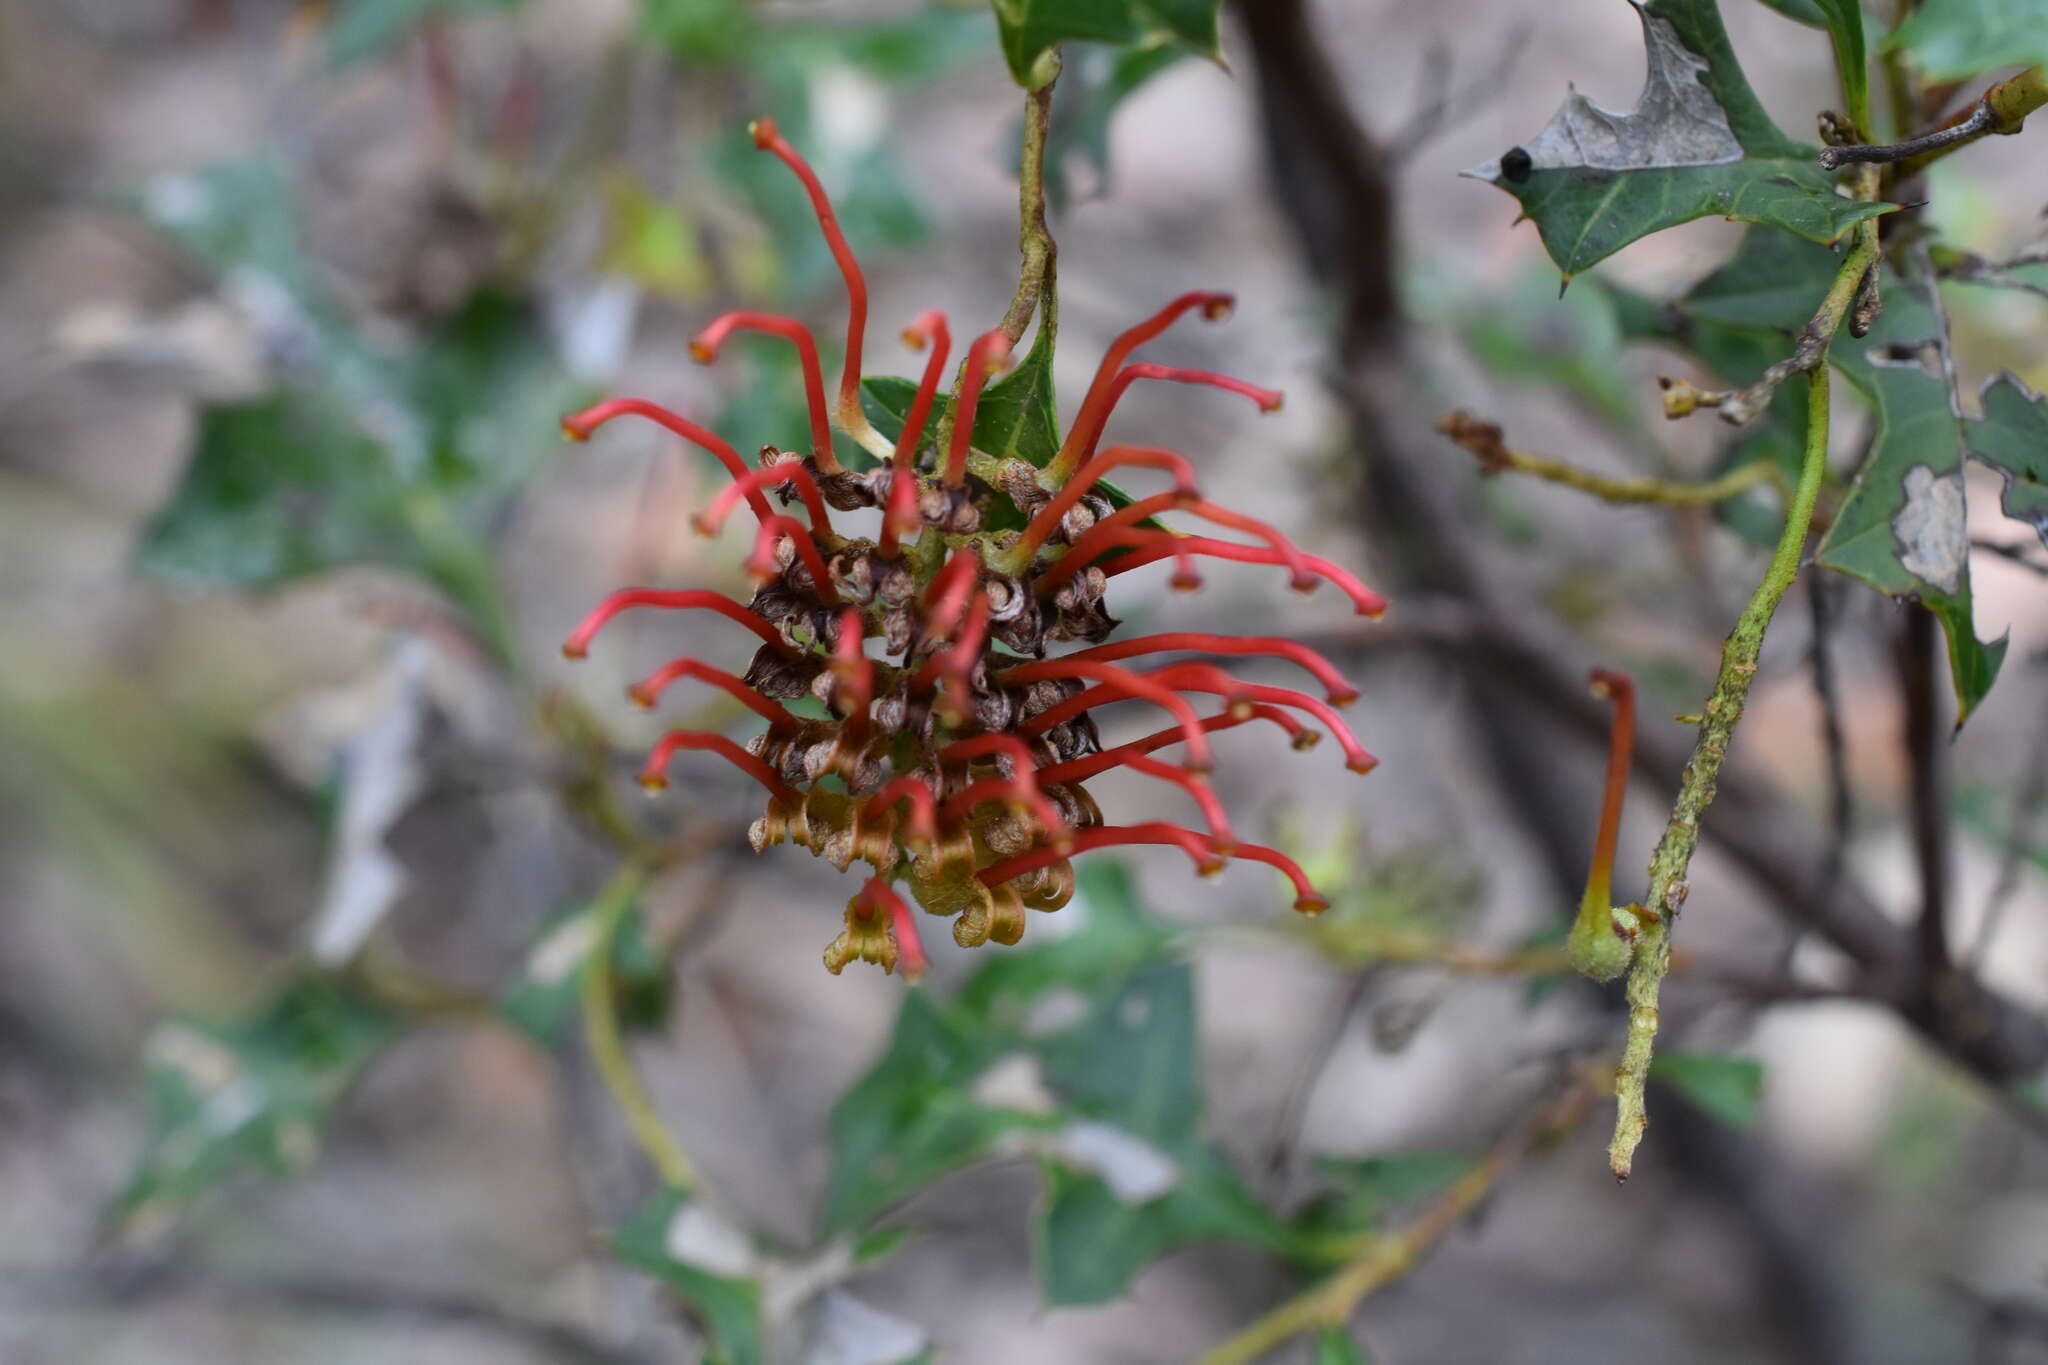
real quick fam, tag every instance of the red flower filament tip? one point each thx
(951, 760)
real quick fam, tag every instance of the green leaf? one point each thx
(1128, 1175)
(1031, 28)
(547, 993)
(912, 1117)
(1903, 528)
(362, 457)
(706, 1263)
(1807, 12)
(1334, 1346)
(1119, 937)
(249, 1092)
(1094, 83)
(1768, 291)
(360, 29)
(236, 215)
(1362, 1192)
(1132, 1059)
(277, 489)
(1698, 143)
(1729, 1088)
(2012, 437)
(1957, 39)
(1845, 29)
(1738, 322)
(1091, 1244)
(873, 1248)
(1016, 417)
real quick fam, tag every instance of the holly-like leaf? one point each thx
(1697, 143)
(1957, 39)
(1903, 528)
(2012, 437)
(1132, 1059)
(1031, 28)
(1015, 417)
(547, 992)
(1138, 1181)
(1092, 1242)
(249, 1092)
(364, 457)
(709, 1265)
(1729, 1088)
(913, 1117)
(1082, 1051)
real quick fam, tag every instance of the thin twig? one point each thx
(1038, 274)
(1444, 105)
(2002, 112)
(1669, 865)
(608, 1049)
(1294, 1107)
(1387, 1257)
(1037, 281)
(1483, 439)
(1739, 406)
(2017, 554)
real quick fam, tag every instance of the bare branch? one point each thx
(2002, 112)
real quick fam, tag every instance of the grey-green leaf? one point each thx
(2012, 437)
(1091, 1244)
(1697, 143)
(254, 1091)
(547, 992)
(706, 1264)
(1031, 28)
(1903, 528)
(1957, 39)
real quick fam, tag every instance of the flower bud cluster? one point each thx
(929, 689)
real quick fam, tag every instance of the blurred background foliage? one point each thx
(308, 831)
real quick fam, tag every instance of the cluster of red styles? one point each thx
(954, 764)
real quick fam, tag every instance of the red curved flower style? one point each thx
(952, 761)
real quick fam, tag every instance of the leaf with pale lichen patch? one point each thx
(1697, 143)
(1903, 528)
(2012, 437)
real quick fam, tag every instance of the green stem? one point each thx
(1387, 1257)
(608, 1048)
(1669, 864)
(1663, 492)
(1037, 277)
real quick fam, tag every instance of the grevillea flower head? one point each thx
(952, 757)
